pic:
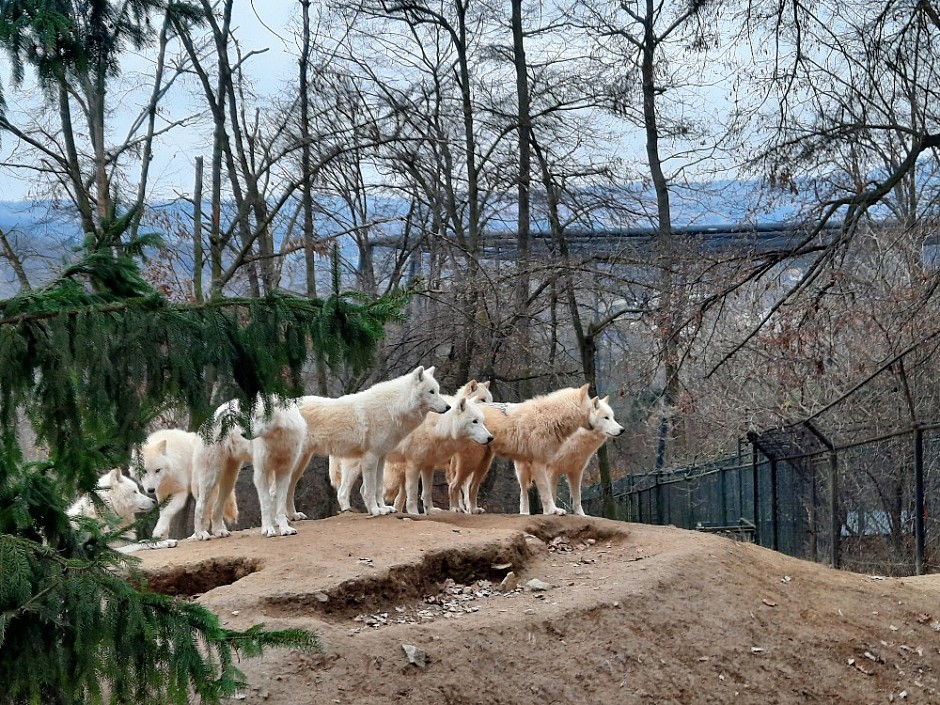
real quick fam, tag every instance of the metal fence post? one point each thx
(660, 519)
(755, 494)
(835, 524)
(773, 504)
(919, 501)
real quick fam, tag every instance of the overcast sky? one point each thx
(260, 24)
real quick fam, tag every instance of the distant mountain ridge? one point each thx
(45, 233)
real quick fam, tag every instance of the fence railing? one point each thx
(871, 506)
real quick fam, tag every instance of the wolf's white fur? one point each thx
(570, 460)
(430, 446)
(368, 425)
(166, 460)
(532, 431)
(275, 452)
(345, 471)
(216, 463)
(123, 498)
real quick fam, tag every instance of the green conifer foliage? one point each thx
(89, 360)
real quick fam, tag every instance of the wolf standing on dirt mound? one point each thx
(431, 444)
(368, 425)
(167, 471)
(570, 460)
(531, 431)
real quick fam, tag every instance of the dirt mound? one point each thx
(509, 609)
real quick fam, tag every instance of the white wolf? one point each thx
(430, 445)
(570, 460)
(532, 431)
(276, 449)
(166, 462)
(123, 499)
(367, 425)
(217, 459)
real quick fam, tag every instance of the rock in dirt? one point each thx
(509, 583)
(536, 585)
(416, 656)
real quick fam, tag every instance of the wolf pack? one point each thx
(392, 435)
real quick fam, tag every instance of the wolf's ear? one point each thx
(472, 386)
(596, 402)
(116, 476)
(606, 399)
(584, 392)
(430, 371)
(462, 404)
(161, 447)
(486, 384)
(419, 373)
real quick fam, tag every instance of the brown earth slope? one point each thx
(631, 614)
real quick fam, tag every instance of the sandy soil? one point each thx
(629, 614)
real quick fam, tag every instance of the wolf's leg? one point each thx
(465, 495)
(476, 479)
(524, 475)
(546, 491)
(380, 487)
(350, 469)
(372, 467)
(226, 484)
(206, 483)
(455, 482)
(427, 490)
(168, 513)
(412, 472)
(282, 482)
(296, 474)
(265, 498)
(400, 499)
(574, 485)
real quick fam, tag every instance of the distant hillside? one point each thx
(45, 234)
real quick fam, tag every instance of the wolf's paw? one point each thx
(434, 510)
(201, 536)
(268, 531)
(222, 533)
(384, 509)
(168, 543)
(297, 516)
(288, 531)
(479, 510)
(557, 510)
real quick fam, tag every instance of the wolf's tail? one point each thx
(336, 473)
(230, 510)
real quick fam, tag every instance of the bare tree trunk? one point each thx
(525, 127)
(15, 262)
(147, 151)
(664, 237)
(198, 255)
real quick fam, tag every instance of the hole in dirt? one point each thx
(196, 579)
(411, 582)
(549, 528)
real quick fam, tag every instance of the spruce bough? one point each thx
(89, 361)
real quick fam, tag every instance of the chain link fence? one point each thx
(871, 506)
